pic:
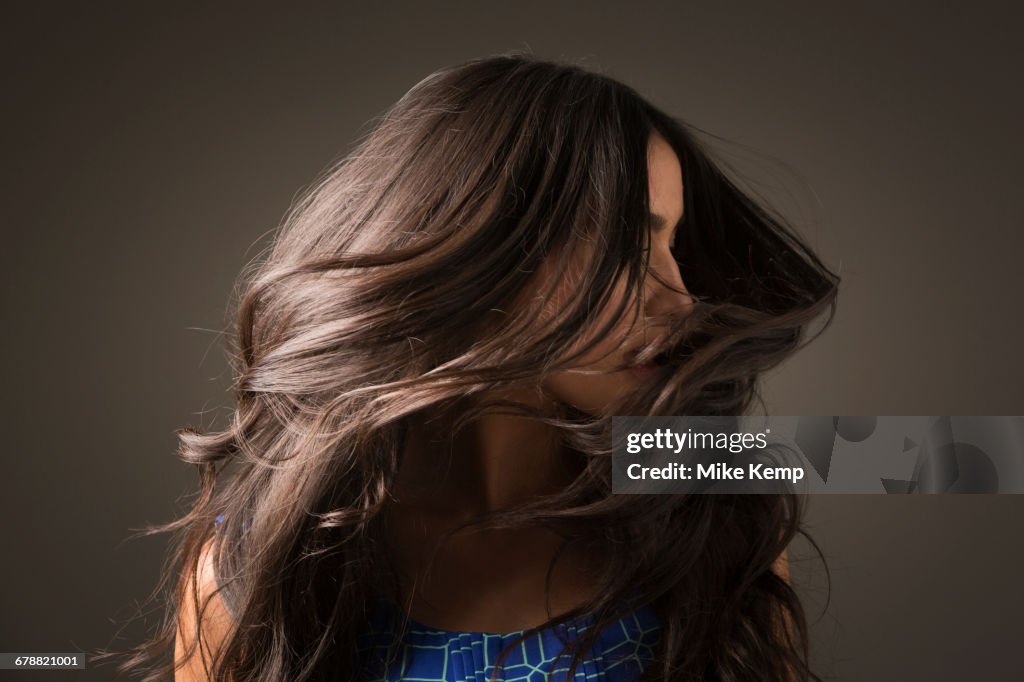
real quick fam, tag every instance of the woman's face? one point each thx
(619, 373)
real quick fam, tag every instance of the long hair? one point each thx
(391, 290)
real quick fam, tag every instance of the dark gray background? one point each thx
(148, 150)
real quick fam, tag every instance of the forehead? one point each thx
(665, 179)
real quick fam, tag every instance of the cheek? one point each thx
(591, 393)
(594, 392)
(609, 349)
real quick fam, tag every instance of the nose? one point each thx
(666, 294)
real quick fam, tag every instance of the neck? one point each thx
(495, 462)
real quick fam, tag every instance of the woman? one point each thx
(427, 361)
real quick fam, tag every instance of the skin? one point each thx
(216, 623)
(668, 297)
(493, 581)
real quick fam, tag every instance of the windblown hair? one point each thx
(394, 287)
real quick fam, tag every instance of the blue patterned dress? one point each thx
(428, 654)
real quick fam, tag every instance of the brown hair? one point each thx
(387, 293)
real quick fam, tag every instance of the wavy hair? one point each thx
(393, 288)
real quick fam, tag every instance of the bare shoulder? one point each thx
(216, 621)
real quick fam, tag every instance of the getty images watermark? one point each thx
(861, 455)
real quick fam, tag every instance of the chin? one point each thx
(593, 397)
